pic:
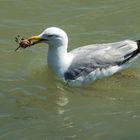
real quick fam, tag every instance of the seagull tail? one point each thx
(133, 54)
(138, 43)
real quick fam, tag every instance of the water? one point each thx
(34, 105)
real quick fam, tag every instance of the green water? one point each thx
(34, 105)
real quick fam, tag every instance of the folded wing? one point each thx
(100, 56)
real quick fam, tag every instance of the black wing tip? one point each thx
(138, 43)
(132, 54)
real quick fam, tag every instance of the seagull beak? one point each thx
(35, 40)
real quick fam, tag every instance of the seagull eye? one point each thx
(50, 35)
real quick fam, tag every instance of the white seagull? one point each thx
(88, 63)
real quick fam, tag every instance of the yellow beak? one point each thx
(34, 40)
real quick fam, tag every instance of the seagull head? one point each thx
(53, 36)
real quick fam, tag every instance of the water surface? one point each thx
(34, 105)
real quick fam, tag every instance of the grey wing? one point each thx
(89, 58)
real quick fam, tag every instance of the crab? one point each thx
(23, 43)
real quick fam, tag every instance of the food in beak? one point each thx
(23, 43)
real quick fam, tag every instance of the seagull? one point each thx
(87, 63)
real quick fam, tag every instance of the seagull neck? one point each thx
(58, 51)
(57, 59)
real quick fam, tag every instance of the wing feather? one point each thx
(89, 58)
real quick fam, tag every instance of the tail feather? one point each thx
(138, 43)
(132, 54)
